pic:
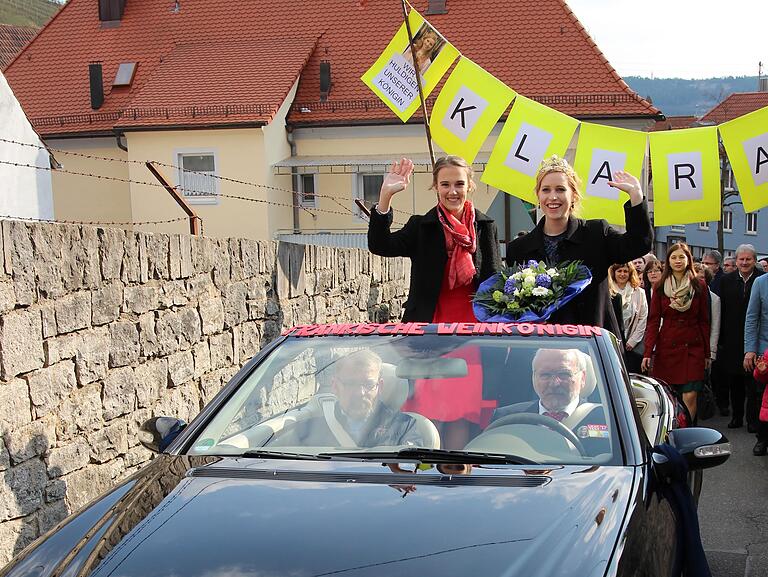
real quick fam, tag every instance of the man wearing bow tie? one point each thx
(560, 381)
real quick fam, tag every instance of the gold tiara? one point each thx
(555, 164)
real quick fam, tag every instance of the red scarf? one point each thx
(460, 243)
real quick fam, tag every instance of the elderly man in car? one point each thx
(560, 381)
(361, 417)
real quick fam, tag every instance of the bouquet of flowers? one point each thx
(529, 293)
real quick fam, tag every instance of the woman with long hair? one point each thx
(624, 285)
(561, 236)
(452, 248)
(677, 349)
(651, 276)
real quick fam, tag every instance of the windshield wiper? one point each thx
(259, 453)
(435, 456)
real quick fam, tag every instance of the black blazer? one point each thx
(734, 299)
(422, 240)
(598, 245)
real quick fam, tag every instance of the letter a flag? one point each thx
(746, 142)
(686, 176)
(531, 133)
(467, 109)
(393, 76)
(600, 153)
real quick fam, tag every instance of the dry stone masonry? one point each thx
(101, 329)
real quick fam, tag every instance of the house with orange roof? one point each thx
(12, 40)
(257, 113)
(738, 227)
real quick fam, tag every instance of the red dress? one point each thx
(461, 397)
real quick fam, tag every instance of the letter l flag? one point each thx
(746, 142)
(467, 109)
(686, 176)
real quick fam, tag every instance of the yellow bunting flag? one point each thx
(746, 142)
(531, 133)
(393, 77)
(467, 109)
(600, 153)
(686, 176)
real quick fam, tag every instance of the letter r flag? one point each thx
(467, 109)
(686, 176)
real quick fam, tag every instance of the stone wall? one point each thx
(102, 328)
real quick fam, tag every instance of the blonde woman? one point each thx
(624, 285)
(562, 236)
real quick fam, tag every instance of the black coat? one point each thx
(734, 298)
(422, 240)
(598, 245)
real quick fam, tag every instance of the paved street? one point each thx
(733, 510)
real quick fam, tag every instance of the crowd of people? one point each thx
(679, 320)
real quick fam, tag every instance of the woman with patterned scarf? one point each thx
(452, 248)
(626, 292)
(677, 333)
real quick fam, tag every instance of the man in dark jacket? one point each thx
(735, 290)
(712, 260)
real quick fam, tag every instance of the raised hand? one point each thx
(397, 179)
(629, 184)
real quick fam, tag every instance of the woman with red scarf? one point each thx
(452, 248)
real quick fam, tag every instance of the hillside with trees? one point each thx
(33, 13)
(681, 97)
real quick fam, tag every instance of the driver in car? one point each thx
(560, 379)
(360, 417)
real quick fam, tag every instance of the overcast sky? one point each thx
(679, 38)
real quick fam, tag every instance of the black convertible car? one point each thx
(404, 449)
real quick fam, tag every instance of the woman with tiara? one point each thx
(562, 236)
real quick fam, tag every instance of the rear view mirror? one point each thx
(158, 432)
(439, 368)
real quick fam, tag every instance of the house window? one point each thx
(728, 179)
(680, 228)
(307, 191)
(703, 226)
(727, 221)
(368, 188)
(197, 177)
(751, 223)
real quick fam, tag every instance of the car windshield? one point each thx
(536, 399)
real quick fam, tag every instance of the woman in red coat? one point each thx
(679, 345)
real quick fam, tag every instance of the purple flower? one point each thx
(533, 263)
(509, 286)
(543, 280)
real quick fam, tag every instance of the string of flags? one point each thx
(685, 163)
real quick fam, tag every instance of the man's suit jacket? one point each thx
(591, 429)
(383, 427)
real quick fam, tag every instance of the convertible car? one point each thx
(406, 449)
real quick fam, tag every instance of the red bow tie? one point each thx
(556, 415)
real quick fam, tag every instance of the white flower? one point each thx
(527, 271)
(517, 276)
(529, 280)
(552, 272)
(540, 291)
(516, 292)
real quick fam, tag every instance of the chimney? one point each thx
(97, 85)
(111, 10)
(437, 7)
(762, 84)
(325, 80)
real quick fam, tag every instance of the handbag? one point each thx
(705, 400)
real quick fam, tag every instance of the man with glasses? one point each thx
(712, 260)
(729, 264)
(360, 417)
(560, 382)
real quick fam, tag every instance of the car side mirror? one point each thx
(158, 432)
(702, 448)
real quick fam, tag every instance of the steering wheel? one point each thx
(543, 421)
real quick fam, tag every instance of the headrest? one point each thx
(394, 390)
(591, 380)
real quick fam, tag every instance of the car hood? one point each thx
(210, 517)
